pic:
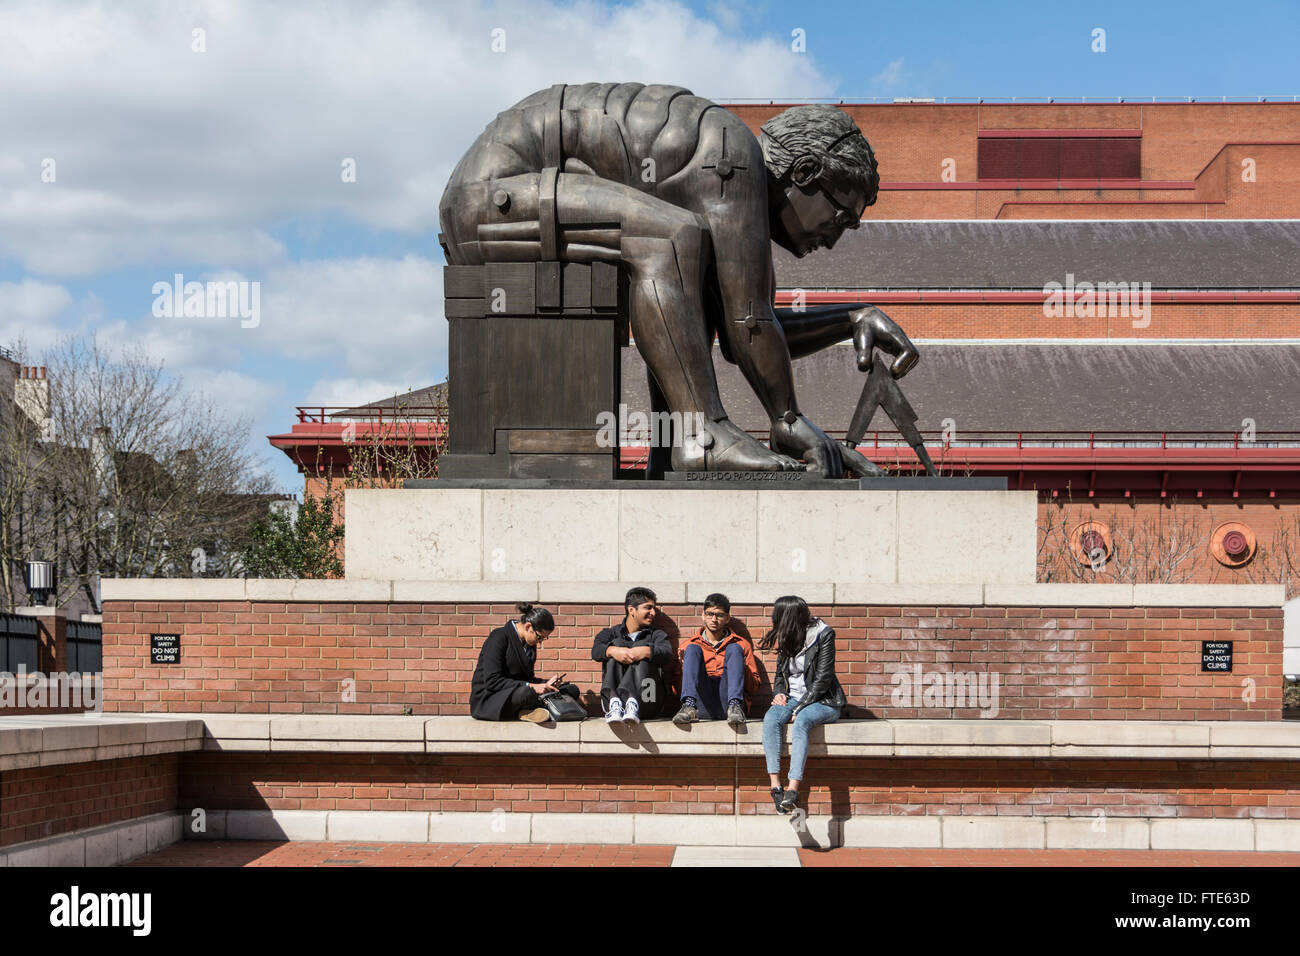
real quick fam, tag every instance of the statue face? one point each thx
(808, 214)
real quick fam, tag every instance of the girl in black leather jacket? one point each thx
(807, 690)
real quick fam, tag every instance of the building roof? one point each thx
(1170, 254)
(1189, 387)
(416, 402)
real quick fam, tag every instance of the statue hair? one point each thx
(828, 134)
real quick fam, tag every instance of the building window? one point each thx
(1060, 157)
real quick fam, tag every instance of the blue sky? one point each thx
(225, 161)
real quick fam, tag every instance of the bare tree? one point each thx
(1278, 560)
(26, 518)
(1152, 550)
(142, 477)
(398, 442)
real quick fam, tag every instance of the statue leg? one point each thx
(665, 250)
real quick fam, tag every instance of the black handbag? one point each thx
(562, 707)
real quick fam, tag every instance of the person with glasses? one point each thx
(505, 685)
(718, 669)
(633, 656)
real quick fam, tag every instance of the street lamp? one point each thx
(41, 580)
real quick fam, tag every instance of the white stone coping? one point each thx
(107, 845)
(120, 842)
(813, 831)
(344, 590)
(1101, 739)
(44, 740)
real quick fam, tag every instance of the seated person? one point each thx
(718, 669)
(504, 686)
(807, 691)
(633, 655)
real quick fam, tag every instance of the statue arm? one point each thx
(813, 328)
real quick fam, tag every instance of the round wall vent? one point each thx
(1233, 544)
(1089, 538)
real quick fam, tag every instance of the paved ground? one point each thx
(256, 853)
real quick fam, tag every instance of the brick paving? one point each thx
(259, 853)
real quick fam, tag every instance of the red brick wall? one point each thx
(40, 802)
(925, 320)
(1198, 142)
(841, 786)
(1274, 521)
(1119, 663)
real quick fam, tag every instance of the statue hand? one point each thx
(872, 328)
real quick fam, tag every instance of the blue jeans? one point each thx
(712, 694)
(777, 717)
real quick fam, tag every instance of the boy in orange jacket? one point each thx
(718, 668)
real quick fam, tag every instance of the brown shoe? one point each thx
(538, 715)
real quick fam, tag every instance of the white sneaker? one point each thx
(615, 712)
(632, 715)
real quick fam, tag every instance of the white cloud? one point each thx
(890, 77)
(242, 395)
(166, 155)
(346, 392)
(32, 314)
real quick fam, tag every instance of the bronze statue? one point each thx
(678, 192)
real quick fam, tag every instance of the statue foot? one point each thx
(722, 446)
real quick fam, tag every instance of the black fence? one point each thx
(20, 644)
(85, 647)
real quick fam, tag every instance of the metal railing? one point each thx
(85, 647)
(20, 644)
(1073, 439)
(334, 414)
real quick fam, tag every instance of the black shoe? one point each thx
(789, 801)
(686, 714)
(735, 715)
(778, 795)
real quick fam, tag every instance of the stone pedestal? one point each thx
(535, 349)
(657, 535)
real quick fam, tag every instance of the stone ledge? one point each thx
(1056, 739)
(362, 590)
(37, 740)
(107, 845)
(767, 829)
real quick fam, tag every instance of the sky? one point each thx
(303, 146)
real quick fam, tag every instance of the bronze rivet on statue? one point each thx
(705, 440)
(790, 418)
(723, 168)
(501, 199)
(751, 322)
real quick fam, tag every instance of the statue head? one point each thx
(822, 175)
